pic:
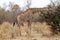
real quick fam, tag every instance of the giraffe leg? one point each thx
(13, 24)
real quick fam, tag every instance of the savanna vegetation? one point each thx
(45, 26)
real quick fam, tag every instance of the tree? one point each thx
(27, 5)
(3, 15)
(14, 9)
(53, 19)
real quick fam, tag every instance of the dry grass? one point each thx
(39, 31)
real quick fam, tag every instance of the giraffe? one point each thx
(28, 15)
(24, 17)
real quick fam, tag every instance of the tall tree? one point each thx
(14, 9)
(27, 5)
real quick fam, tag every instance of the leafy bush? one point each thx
(53, 19)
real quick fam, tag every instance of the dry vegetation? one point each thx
(39, 31)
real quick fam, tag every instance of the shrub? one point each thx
(53, 19)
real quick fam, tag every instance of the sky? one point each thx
(22, 3)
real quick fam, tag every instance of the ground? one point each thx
(38, 31)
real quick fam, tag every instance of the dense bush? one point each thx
(3, 15)
(53, 19)
(6, 16)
